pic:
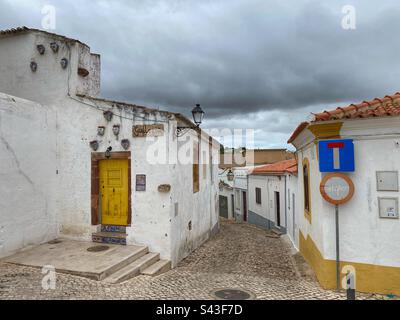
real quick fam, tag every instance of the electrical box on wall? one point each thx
(389, 208)
(387, 180)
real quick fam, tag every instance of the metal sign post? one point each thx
(337, 189)
(337, 248)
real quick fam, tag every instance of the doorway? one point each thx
(278, 209)
(111, 189)
(223, 207)
(114, 192)
(244, 194)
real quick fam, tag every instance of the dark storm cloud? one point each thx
(241, 59)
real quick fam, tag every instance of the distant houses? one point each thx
(234, 191)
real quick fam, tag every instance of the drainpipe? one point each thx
(247, 196)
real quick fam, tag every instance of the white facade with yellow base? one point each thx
(368, 243)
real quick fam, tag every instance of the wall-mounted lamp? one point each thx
(230, 175)
(125, 144)
(116, 129)
(198, 116)
(33, 66)
(41, 49)
(64, 63)
(108, 115)
(101, 131)
(54, 46)
(94, 145)
(108, 152)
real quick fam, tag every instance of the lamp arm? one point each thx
(181, 131)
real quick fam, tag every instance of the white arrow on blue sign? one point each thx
(336, 155)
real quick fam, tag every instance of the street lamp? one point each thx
(198, 116)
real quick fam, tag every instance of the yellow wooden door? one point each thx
(114, 192)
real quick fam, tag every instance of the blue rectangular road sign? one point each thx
(336, 155)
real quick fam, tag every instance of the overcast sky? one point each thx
(259, 64)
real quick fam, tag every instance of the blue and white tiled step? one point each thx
(111, 235)
(116, 229)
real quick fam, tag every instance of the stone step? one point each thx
(277, 232)
(157, 268)
(115, 229)
(133, 269)
(137, 253)
(109, 238)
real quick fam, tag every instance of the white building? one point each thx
(272, 197)
(241, 192)
(369, 224)
(235, 192)
(60, 181)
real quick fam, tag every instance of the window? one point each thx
(306, 186)
(196, 173)
(258, 195)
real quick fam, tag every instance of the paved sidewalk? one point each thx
(240, 256)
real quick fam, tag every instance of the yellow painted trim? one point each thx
(307, 213)
(369, 278)
(326, 130)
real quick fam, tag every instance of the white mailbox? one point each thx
(387, 180)
(389, 208)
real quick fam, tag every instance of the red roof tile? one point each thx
(278, 167)
(388, 106)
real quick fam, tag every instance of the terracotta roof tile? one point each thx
(378, 107)
(278, 167)
(389, 106)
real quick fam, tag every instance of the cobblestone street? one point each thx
(240, 257)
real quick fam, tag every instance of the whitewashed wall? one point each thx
(268, 184)
(292, 210)
(201, 208)
(27, 173)
(258, 181)
(50, 81)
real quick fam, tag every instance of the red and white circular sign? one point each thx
(337, 188)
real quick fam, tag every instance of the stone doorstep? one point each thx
(158, 268)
